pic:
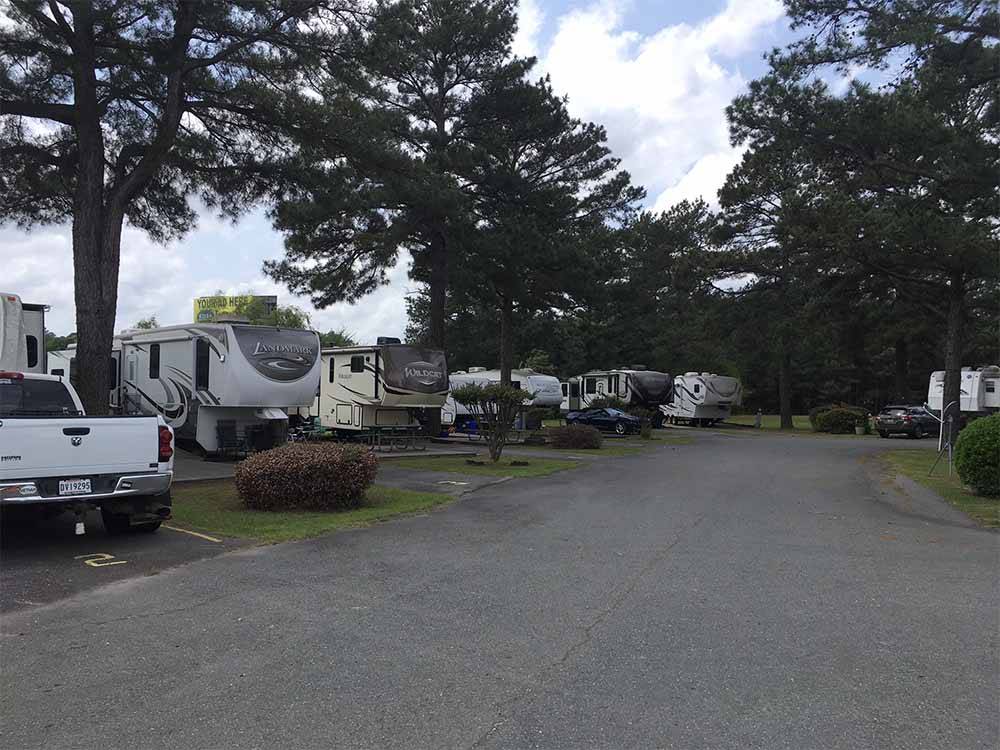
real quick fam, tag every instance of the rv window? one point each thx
(991, 387)
(565, 389)
(60, 371)
(201, 365)
(113, 372)
(154, 361)
(590, 385)
(516, 384)
(333, 369)
(32, 351)
(697, 389)
(574, 390)
(358, 363)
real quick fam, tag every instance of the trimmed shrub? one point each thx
(646, 431)
(306, 476)
(839, 421)
(977, 455)
(815, 412)
(576, 436)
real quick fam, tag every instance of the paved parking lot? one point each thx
(43, 561)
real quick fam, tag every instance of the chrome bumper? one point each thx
(26, 492)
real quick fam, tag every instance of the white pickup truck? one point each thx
(54, 458)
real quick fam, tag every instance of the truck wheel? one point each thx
(147, 528)
(883, 434)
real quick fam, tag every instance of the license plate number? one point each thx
(74, 486)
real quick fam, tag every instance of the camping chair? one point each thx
(230, 441)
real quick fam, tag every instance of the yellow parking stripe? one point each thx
(193, 533)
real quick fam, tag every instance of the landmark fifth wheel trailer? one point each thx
(367, 387)
(703, 398)
(202, 374)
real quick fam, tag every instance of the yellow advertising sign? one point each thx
(209, 309)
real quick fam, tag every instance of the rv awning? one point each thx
(270, 412)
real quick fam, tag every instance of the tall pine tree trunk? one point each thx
(785, 385)
(438, 277)
(95, 249)
(953, 349)
(902, 352)
(506, 338)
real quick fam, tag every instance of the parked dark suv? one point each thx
(905, 420)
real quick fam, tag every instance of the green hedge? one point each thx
(840, 421)
(306, 476)
(576, 436)
(977, 455)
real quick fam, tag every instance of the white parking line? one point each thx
(193, 533)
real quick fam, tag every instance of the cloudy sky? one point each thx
(657, 74)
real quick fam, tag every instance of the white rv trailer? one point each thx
(199, 375)
(635, 386)
(980, 390)
(703, 398)
(545, 388)
(22, 335)
(368, 387)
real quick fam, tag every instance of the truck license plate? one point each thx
(74, 486)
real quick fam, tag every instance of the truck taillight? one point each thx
(7, 375)
(166, 449)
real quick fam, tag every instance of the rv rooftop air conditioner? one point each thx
(690, 374)
(383, 340)
(477, 369)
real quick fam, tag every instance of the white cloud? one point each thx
(529, 24)
(164, 280)
(662, 94)
(703, 180)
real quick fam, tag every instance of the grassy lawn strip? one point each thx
(537, 467)
(214, 507)
(916, 463)
(772, 421)
(613, 447)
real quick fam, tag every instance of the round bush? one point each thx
(576, 436)
(977, 455)
(816, 411)
(839, 421)
(306, 476)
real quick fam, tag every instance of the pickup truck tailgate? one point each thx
(69, 446)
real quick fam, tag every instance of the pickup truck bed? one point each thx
(53, 457)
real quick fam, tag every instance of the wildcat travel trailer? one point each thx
(635, 386)
(200, 375)
(703, 398)
(980, 390)
(22, 335)
(384, 385)
(545, 388)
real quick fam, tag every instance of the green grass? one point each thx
(916, 463)
(214, 507)
(537, 467)
(772, 421)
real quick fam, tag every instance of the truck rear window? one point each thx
(30, 398)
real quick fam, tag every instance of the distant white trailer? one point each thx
(22, 335)
(703, 398)
(545, 388)
(980, 390)
(383, 385)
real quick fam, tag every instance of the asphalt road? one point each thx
(739, 592)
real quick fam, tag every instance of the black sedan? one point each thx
(609, 420)
(905, 420)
